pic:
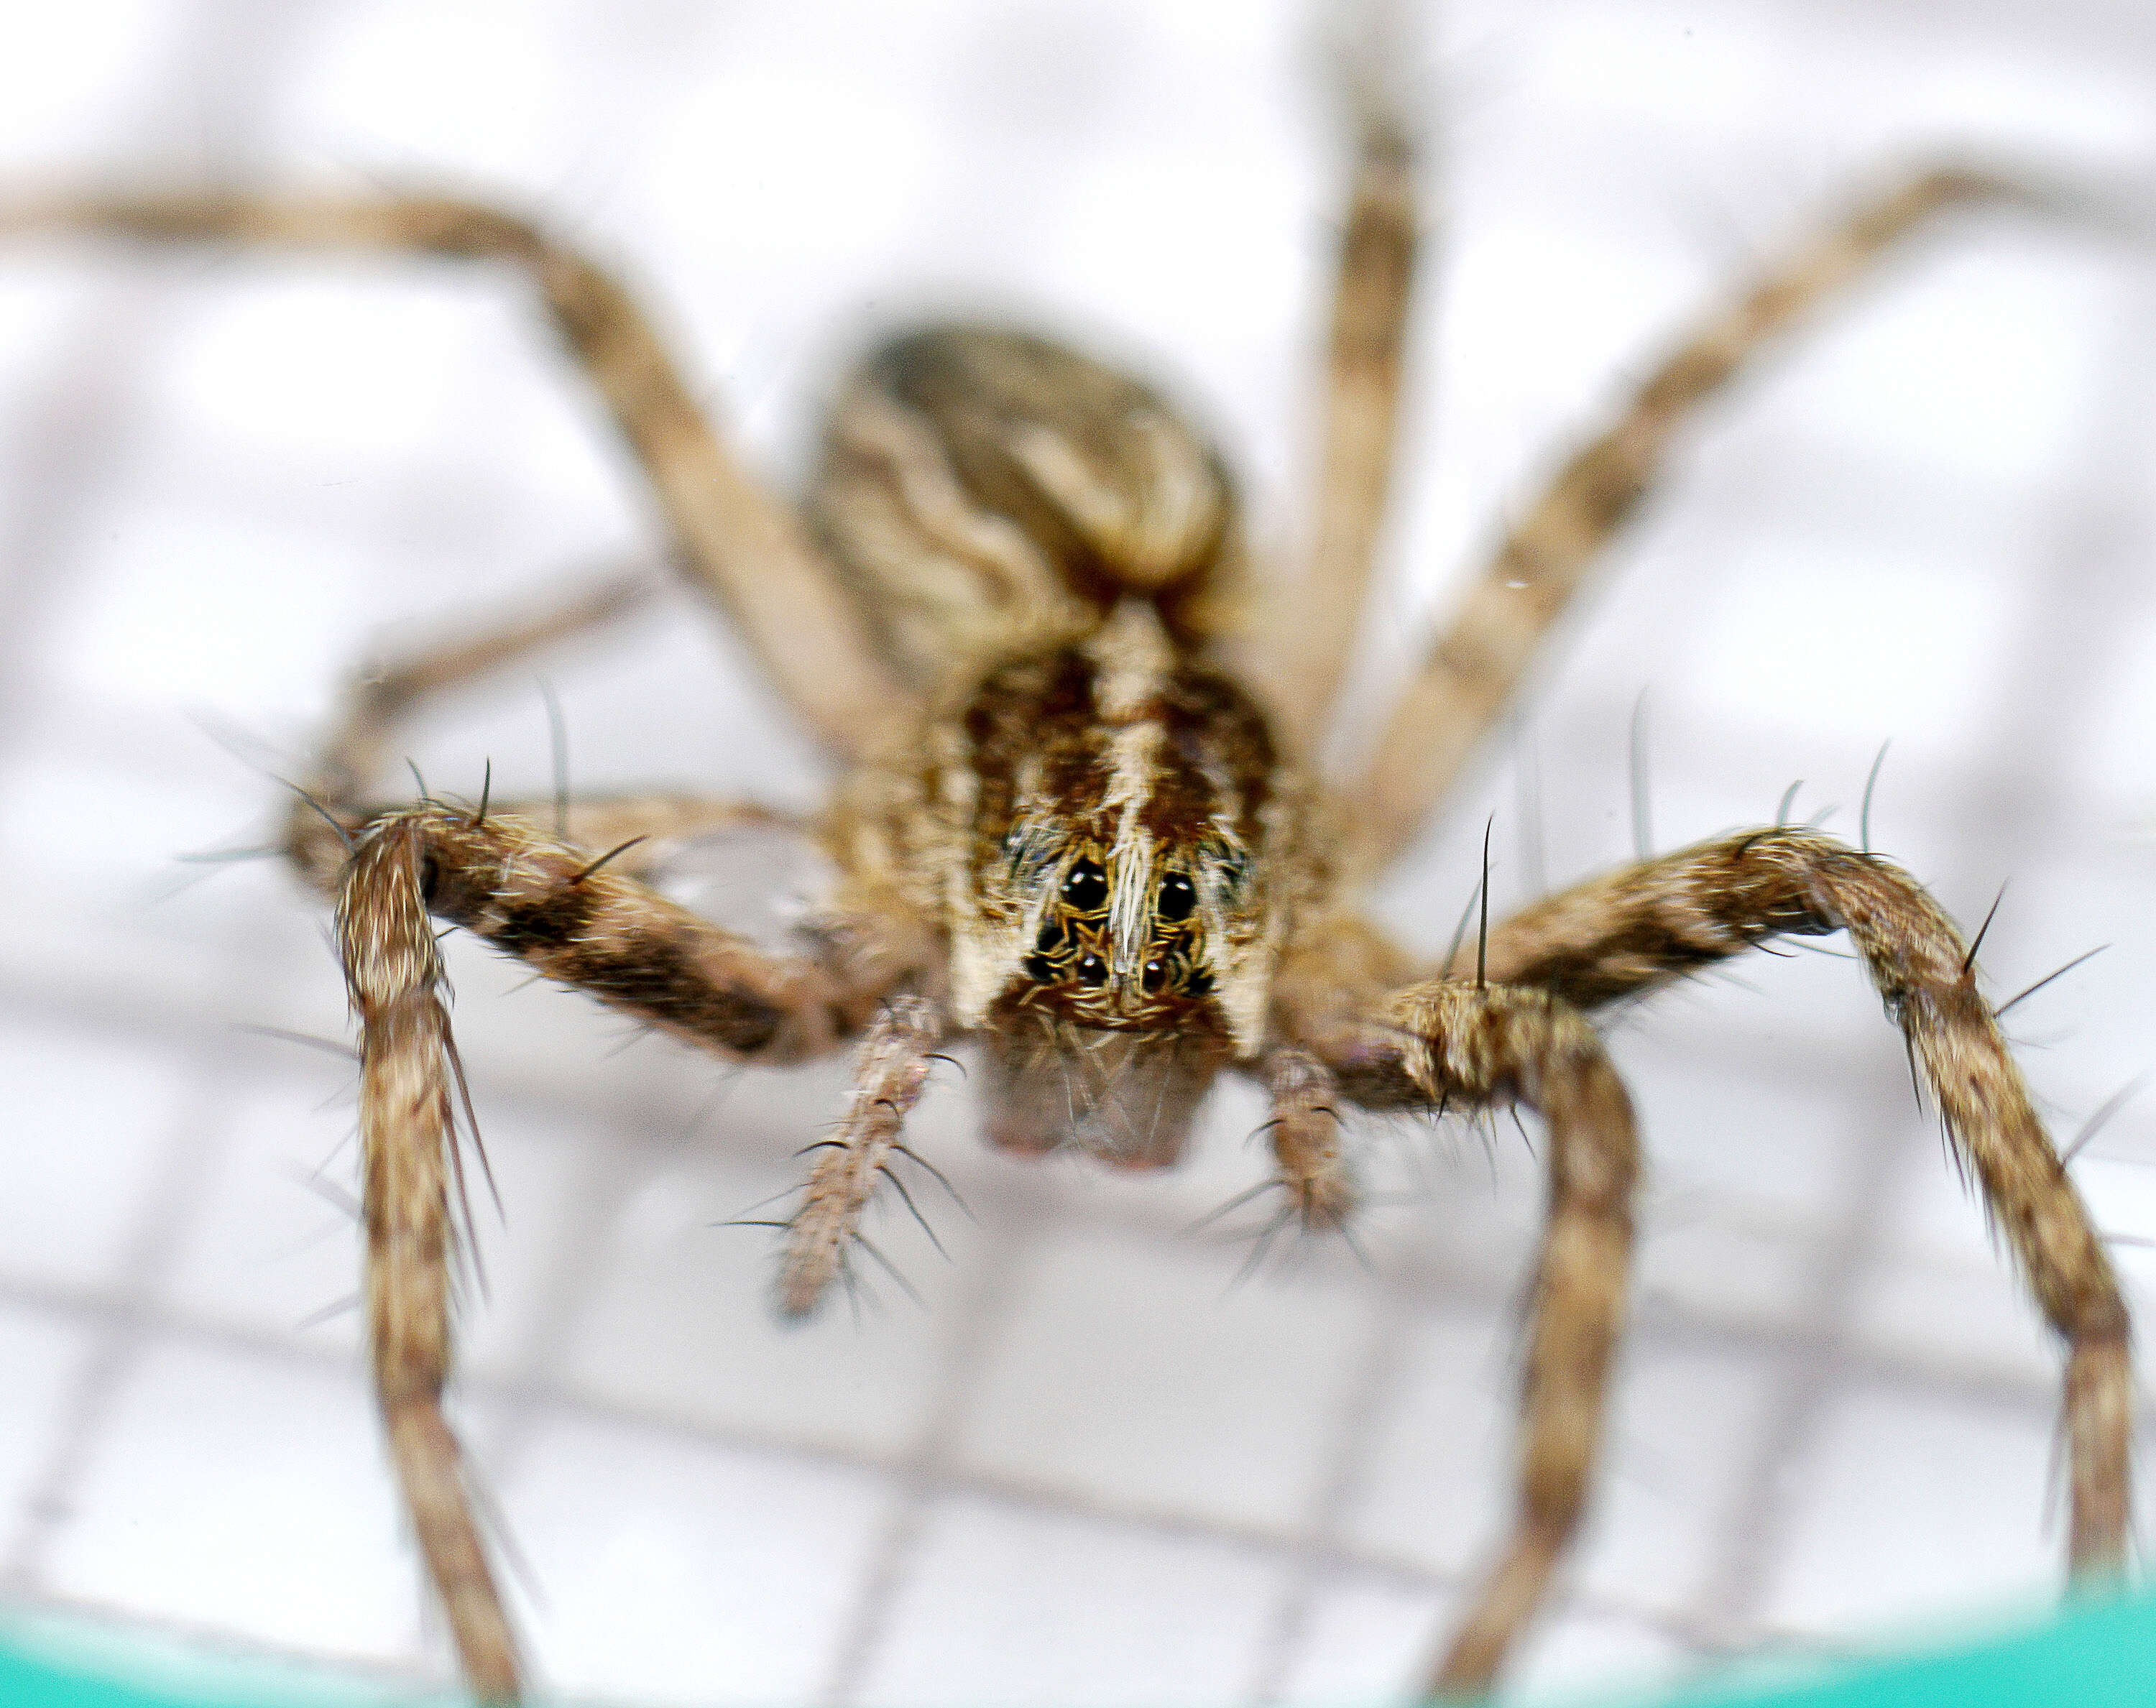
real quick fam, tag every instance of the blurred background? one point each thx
(1096, 1463)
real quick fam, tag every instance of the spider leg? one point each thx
(382, 693)
(583, 924)
(1644, 925)
(1372, 283)
(586, 924)
(1477, 661)
(1304, 1130)
(892, 1068)
(740, 547)
(1449, 1044)
(648, 830)
(393, 971)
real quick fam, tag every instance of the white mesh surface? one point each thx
(1088, 1467)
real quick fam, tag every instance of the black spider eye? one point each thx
(1092, 970)
(1039, 969)
(1086, 887)
(1154, 977)
(1199, 984)
(1177, 897)
(1052, 937)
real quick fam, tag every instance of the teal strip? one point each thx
(47, 1663)
(2101, 1656)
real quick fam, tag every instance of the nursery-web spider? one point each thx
(1078, 832)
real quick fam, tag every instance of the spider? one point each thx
(1078, 830)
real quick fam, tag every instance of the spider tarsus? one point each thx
(1306, 1138)
(799, 1292)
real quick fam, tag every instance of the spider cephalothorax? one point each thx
(1118, 823)
(1118, 837)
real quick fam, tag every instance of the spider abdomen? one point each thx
(992, 494)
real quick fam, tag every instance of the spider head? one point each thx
(1114, 1020)
(1118, 834)
(1122, 938)
(1120, 880)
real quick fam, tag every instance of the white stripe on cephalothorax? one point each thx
(1132, 658)
(1130, 900)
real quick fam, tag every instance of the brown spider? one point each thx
(1077, 831)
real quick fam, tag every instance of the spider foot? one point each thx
(1305, 1136)
(850, 1166)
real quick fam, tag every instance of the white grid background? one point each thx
(1089, 1468)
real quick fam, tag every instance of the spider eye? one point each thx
(1199, 984)
(1039, 969)
(1086, 887)
(1154, 977)
(1092, 970)
(1177, 897)
(1053, 938)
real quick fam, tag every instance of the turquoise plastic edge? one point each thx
(2102, 1655)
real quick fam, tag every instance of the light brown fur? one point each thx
(1075, 833)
